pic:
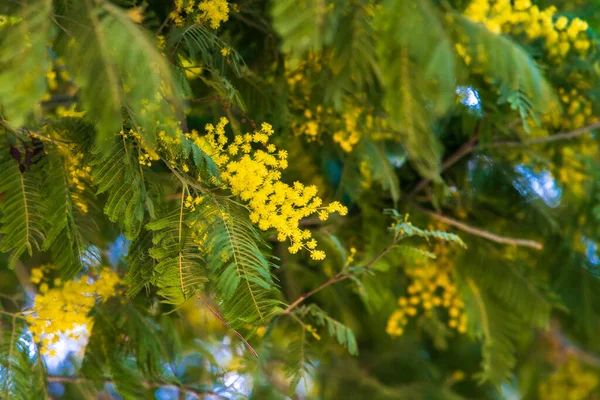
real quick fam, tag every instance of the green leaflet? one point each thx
(335, 329)
(417, 64)
(244, 285)
(140, 271)
(120, 70)
(118, 173)
(408, 229)
(498, 327)
(63, 236)
(507, 62)
(21, 224)
(22, 372)
(382, 169)
(178, 271)
(300, 26)
(24, 60)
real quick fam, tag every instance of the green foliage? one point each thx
(22, 373)
(499, 328)
(111, 83)
(93, 89)
(375, 154)
(22, 67)
(508, 63)
(117, 171)
(243, 280)
(404, 228)
(198, 43)
(300, 26)
(178, 269)
(22, 207)
(335, 329)
(63, 236)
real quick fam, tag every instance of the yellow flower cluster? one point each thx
(146, 154)
(78, 174)
(65, 307)
(569, 382)
(348, 137)
(255, 176)
(191, 202)
(521, 16)
(578, 109)
(432, 288)
(311, 126)
(355, 122)
(210, 12)
(313, 331)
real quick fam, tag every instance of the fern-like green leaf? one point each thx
(24, 59)
(22, 220)
(245, 287)
(500, 58)
(382, 169)
(200, 43)
(498, 327)
(62, 235)
(298, 361)
(407, 229)
(140, 265)
(335, 329)
(179, 268)
(119, 68)
(418, 67)
(21, 370)
(300, 26)
(118, 173)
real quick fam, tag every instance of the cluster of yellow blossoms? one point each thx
(254, 175)
(578, 110)
(521, 16)
(356, 122)
(432, 287)
(346, 129)
(146, 154)
(569, 382)
(349, 136)
(78, 174)
(211, 12)
(313, 331)
(65, 307)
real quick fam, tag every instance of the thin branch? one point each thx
(462, 151)
(480, 232)
(470, 146)
(220, 318)
(338, 278)
(331, 281)
(147, 384)
(547, 139)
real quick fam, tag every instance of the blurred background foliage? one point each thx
(459, 136)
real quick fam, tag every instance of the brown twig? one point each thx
(462, 151)
(547, 139)
(220, 318)
(337, 278)
(470, 146)
(480, 232)
(147, 384)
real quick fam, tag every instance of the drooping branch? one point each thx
(338, 278)
(480, 232)
(470, 146)
(220, 318)
(463, 150)
(147, 384)
(546, 139)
